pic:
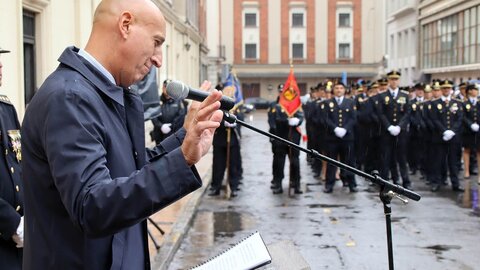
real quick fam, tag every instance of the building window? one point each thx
(29, 54)
(250, 20)
(251, 51)
(297, 19)
(344, 50)
(451, 40)
(297, 50)
(344, 19)
(192, 12)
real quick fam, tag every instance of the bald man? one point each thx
(91, 182)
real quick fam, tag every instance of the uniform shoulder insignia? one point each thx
(404, 91)
(5, 99)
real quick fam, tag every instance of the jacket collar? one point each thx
(71, 59)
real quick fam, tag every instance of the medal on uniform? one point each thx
(15, 140)
(439, 106)
(468, 107)
(331, 104)
(322, 106)
(414, 106)
(387, 99)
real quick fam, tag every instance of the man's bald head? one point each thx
(126, 38)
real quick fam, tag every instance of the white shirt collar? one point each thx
(97, 65)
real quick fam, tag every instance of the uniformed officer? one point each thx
(393, 113)
(319, 131)
(416, 146)
(471, 134)
(226, 147)
(287, 128)
(11, 188)
(171, 117)
(340, 120)
(447, 117)
(309, 110)
(362, 127)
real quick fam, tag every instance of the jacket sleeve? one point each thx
(9, 220)
(96, 202)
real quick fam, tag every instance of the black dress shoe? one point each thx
(328, 190)
(214, 192)
(458, 189)
(435, 187)
(353, 189)
(298, 191)
(277, 191)
(233, 194)
(408, 186)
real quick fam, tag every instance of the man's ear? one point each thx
(124, 23)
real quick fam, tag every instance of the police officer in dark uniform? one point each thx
(318, 129)
(471, 134)
(340, 120)
(447, 117)
(309, 110)
(287, 128)
(11, 188)
(393, 114)
(171, 117)
(362, 127)
(226, 147)
(416, 146)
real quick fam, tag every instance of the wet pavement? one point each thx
(331, 231)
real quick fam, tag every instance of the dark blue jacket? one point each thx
(11, 188)
(91, 182)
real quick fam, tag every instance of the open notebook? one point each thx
(250, 253)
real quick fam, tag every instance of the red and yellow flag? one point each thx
(290, 96)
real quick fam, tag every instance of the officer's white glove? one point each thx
(474, 127)
(392, 130)
(230, 125)
(397, 130)
(448, 135)
(340, 132)
(166, 128)
(18, 236)
(293, 121)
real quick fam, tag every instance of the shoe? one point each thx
(214, 192)
(435, 188)
(458, 189)
(328, 190)
(466, 176)
(408, 186)
(233, 194)
(298, 191)
(277, 190)
(474, 172)
(353, 189)
(316, 175)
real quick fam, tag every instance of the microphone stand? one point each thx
(388, 191)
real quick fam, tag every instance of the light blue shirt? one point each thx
(97, 65)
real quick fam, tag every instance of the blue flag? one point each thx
(232, 88)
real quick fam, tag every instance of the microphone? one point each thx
(179, 91)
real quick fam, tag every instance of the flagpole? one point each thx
(290, 149)
(228, 192)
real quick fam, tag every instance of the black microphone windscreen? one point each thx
(177, 90)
